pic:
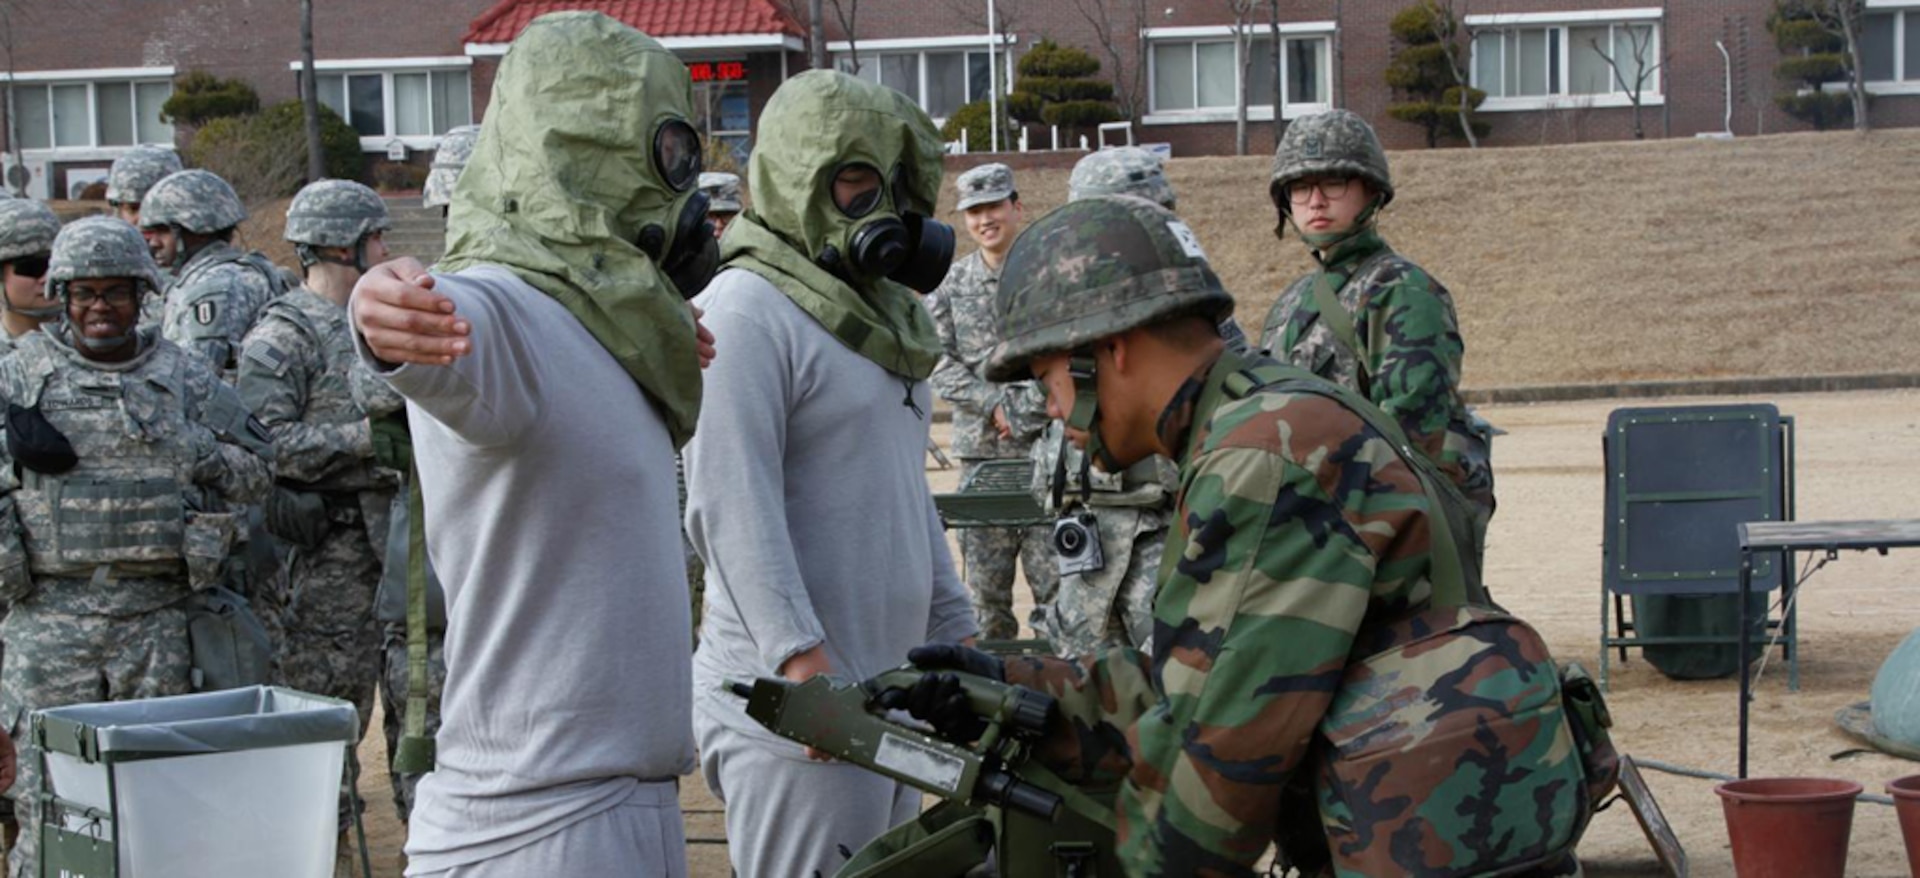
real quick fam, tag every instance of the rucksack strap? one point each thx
(1340, 323)
(1446, 569)
(415, 753)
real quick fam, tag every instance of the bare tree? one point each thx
(816, 35)
(10, 11)
(1279, 94)
(1243, 49)
(1843, 17)
(1007, 16)
(1447, 25)
(1117, 25)
(847, 12)
(1339, 54)
(1640, 39)
(310, 96)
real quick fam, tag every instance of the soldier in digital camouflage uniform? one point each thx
(130, 431)
(989, 422)
(449, 159)
(723, 198)
(1402, 320)
(27, 229)
(1304, 535)
(217, 290)
(133, 174)
(331, 500)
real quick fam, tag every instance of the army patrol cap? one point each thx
(456, 147)
(1336, 142)
(985, 185)
(335, 213)
(136, 172)
(27, 227)
(723, 191)
(100, 246)
(195, 200)
(1096, 268)
(1125, 170)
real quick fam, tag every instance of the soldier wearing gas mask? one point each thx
(551, 366)
(807, 494)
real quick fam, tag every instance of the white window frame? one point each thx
(1903, 11)
(91, 78)
(1559, 25)
(387, 68)
(920, 47)
(1197, 36)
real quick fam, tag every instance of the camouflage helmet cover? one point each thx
(26, 227)
(723, 191)
(136, 172)
(448, 161)
(335, 213)
(1095, 268)
(1333, 142)
(1125, 170)
(195, 200)
(100, 246)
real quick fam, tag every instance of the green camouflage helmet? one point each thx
(1095, 268)
(195, 200)
(1333, 142)
(448, 161)
(136, 172)
(335, 213)
(1125, 170)
(723, 191)
(27, 227)
(100, 246)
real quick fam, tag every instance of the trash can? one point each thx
(233, 784)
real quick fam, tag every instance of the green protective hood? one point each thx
(563, 179)
(815, 123)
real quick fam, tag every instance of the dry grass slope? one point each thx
(1788, 255)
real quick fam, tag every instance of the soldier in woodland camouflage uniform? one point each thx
(1399, 343)
(117, 476)
(723, 199)
(331, 501)
(1304, 540)
(27, 229)
(217, 291)
(448, 161)
(989, 422)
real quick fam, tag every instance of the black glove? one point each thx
(938, 698)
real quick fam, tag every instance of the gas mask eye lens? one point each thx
(676, 153)
(856, 190)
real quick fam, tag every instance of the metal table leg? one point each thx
(1746, 670)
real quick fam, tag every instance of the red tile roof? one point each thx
(658, 18)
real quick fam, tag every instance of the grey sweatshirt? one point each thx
(551, 518)
(807, 497)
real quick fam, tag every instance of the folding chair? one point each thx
(1679, 480)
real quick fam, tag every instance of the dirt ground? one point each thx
(1855, 461)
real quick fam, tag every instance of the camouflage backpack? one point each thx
(1453, 723)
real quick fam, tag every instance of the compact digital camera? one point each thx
(1076, 544)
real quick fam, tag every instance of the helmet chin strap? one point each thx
(1327, 241)
(1086, 405)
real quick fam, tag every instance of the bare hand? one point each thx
(403, 320)
(704, 336)
(803, 667)
(1000, 422)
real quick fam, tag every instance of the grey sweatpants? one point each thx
(642, 837)
(788, 816)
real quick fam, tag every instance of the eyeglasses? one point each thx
(34, 266)
(118, 297)
(1334, 188)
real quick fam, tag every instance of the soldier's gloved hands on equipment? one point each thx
(392, 443)
(205, 445)
(937, 698)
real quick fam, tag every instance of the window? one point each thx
(412, 103)
(1203, 76)
(724, 116)
(1571, 60)
(79, 115)
(1890, 47)
(941, 81)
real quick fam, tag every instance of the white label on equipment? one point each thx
(1188, 240)
(920, 762)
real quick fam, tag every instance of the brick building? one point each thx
(402, 74)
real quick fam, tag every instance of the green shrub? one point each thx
(264, 155)
(1079, 114)
(976, 119)
(1813, 55)
(1058, 86)
(200, 97)
(1052, 60)
(1429, 95)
